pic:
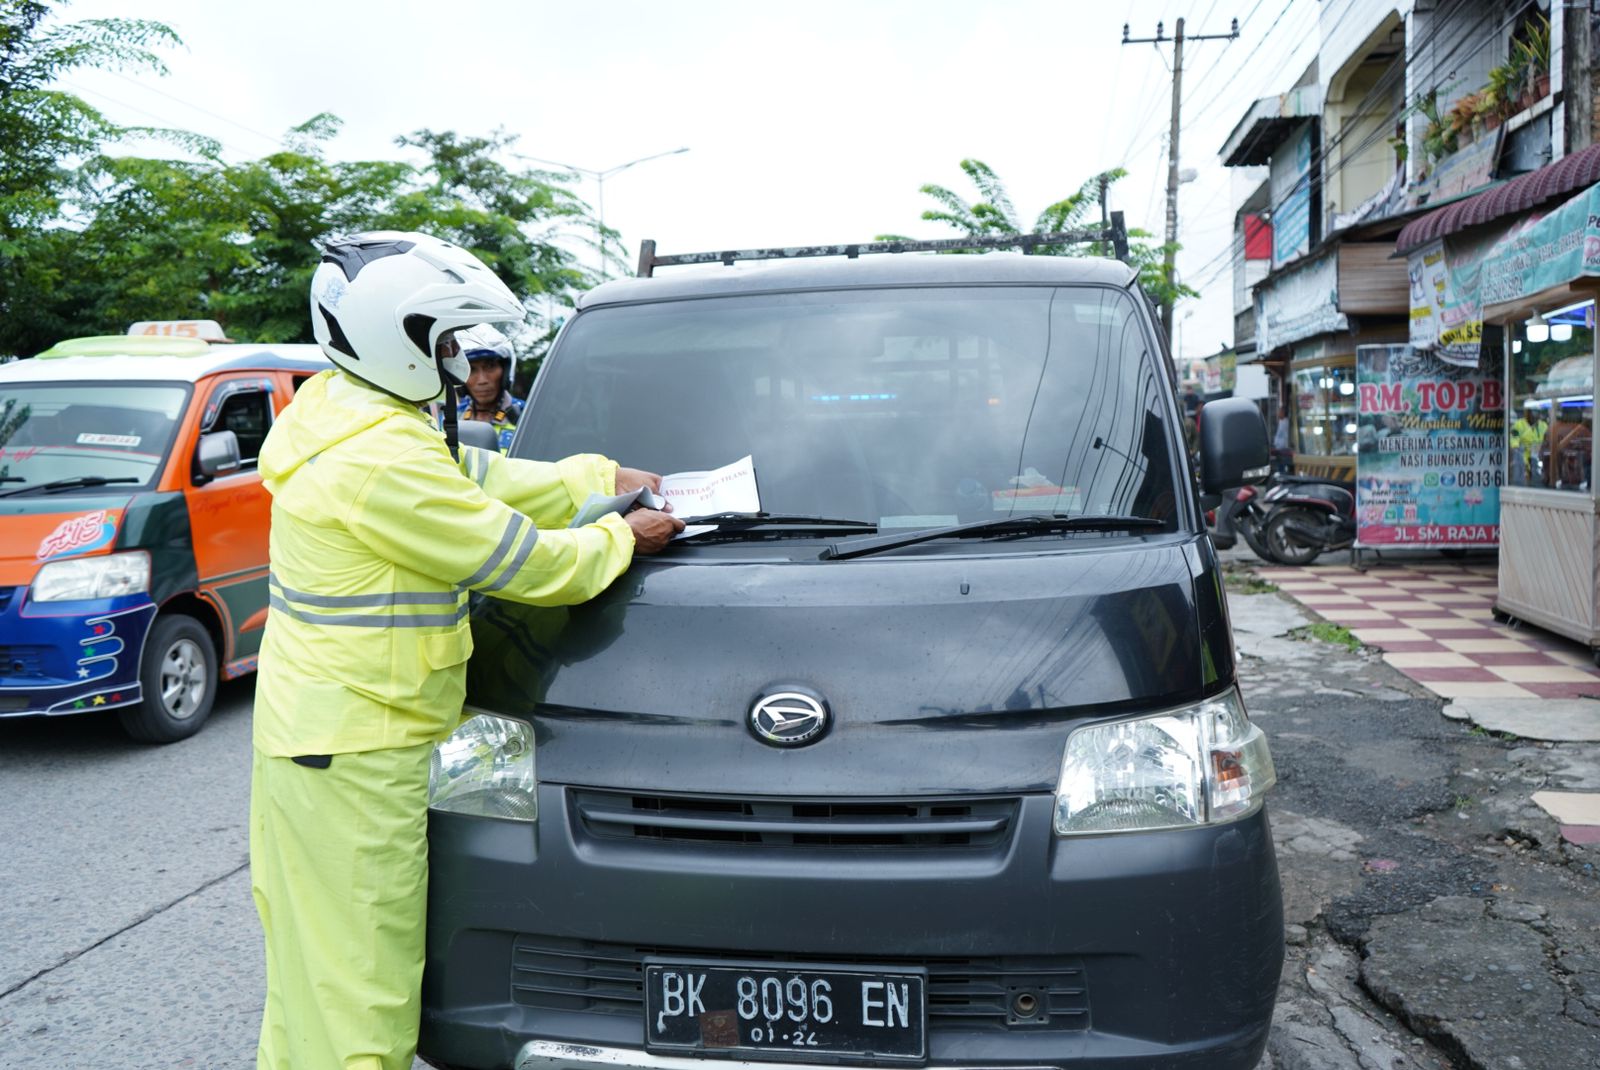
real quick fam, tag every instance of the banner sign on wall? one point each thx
(1446, 295)
(1290, 185)
(1430, 450)
(1299, 304)
(1556, 249)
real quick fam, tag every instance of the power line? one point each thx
(165, 122)
(1244, 23)
(277, 141)
(1245, 63)
(1195, 117)
(1410, 59)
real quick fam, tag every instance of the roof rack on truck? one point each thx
(1114, 234)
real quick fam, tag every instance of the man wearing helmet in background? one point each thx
(488, 393)
(381, 528)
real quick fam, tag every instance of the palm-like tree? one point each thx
(993, 215)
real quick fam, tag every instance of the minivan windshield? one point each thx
(905, 408)
(85, 433)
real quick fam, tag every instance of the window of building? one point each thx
(1550, 434)
(1325, 400)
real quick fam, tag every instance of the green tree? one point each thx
(993, 215)
(236, 242)
(43, 131)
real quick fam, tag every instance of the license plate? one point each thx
(794, 1011)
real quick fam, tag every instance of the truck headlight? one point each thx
(486, 769)
(1198, 765)
(92, 577)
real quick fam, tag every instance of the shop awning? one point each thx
(1267, 123)
(1522, 193)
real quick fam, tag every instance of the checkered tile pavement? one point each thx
(1435, 623)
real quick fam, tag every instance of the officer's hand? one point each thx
(630, 479)
(652, 530)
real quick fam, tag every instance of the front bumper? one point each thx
(70, 657)
(1165, 947)
(556, 1055)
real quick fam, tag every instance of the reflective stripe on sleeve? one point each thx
(477, 465)
(517, 560)
(509, 536)
(369, 620)
(366, 601)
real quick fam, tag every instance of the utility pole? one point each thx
(1177, 40)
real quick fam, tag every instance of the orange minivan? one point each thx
(133, 523)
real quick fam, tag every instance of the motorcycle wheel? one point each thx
(1250, 528)
(1284, 544)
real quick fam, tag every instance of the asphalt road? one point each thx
(127, 934)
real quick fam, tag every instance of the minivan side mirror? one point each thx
(1233, 445)
(217, 453)
(478, 433)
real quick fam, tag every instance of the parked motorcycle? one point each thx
(1243, 512)
(1306, 516)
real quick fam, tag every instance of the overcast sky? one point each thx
(805, 122)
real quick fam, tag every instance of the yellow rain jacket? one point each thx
(377, 538)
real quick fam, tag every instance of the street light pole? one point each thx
(600, 183)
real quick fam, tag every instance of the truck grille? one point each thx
(559, 974)
(22, 660)
(876, 823)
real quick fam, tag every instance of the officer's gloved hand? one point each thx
(629, 479)
(652, 530)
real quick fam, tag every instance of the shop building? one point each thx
(1515, 272)
(1408, 107)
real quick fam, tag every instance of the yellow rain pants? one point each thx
(339, 871)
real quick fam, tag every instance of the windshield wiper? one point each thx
(789, 523)
(1026, 524)
(12, 479)
(73, 483)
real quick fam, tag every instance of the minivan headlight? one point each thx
(105, 576)
(485, 769)
(1198, 765)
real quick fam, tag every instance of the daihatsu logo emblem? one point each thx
(788, 718)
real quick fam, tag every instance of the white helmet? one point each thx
(381, 301)
(483, 342)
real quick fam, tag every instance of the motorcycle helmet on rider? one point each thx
(385, 305)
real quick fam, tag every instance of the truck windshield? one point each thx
(906, 408)
(50, 432)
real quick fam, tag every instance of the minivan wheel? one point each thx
(1282, 542)
(178, 675)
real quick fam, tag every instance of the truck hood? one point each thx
(36, 529)
(941, 673)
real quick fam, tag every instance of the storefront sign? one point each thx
(1221, 373)
(1299, 304)
(1430, 450)
(1467, 169)
(1563, 246)
(1446, 304)
(1290, 186)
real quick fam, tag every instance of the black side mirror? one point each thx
(478, 433)
(1233, 445)
(217, 454)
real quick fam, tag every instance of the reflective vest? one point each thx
(377, 539)
(1525, 436)
(508, 410)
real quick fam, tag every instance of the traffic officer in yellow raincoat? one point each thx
(378, 537)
